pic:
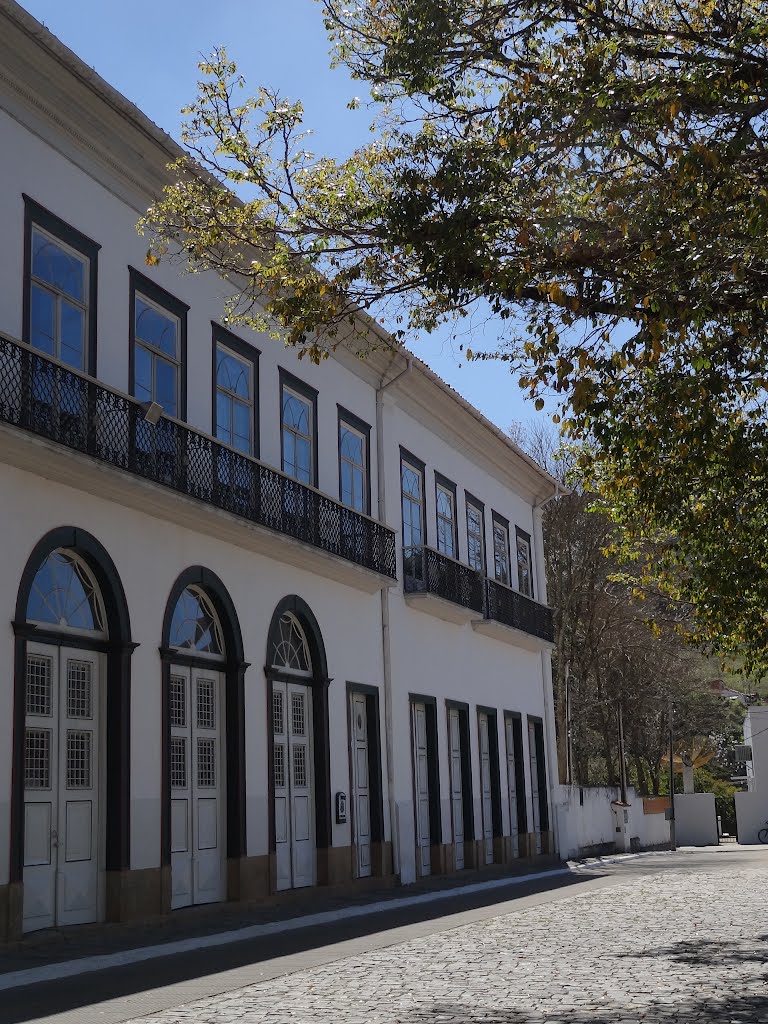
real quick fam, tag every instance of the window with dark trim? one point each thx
(60, 289)
(524, 562)
(445, 510)
(298, 429)
(412, 495)
(158, 346)
(235, 392)
(501, 548)
(354, 462)
(475, 533)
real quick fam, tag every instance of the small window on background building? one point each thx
(297, 435)
(524, 563)
(445, 500)
(475, 538)
(501, 551)
(235, 399)
(353, 468)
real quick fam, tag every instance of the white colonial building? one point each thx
(263, 624)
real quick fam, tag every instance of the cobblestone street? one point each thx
(669, 946)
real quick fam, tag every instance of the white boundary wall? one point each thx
(695, 819)
(587, 822)
(751, 815)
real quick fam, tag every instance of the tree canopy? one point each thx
(595, 174)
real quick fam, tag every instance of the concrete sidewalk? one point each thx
(58, 953)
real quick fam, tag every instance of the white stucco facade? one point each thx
(146, 526)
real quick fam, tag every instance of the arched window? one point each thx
(65, 595)
(290, 649)
(195, 625)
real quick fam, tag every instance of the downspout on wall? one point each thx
(546, 659)
(385, 633)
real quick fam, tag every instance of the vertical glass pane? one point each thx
(42, 314)
(72, 335)
(165, 386)
(223, 417)
(303, 460)
(242, 426)
(142, 374)
(289, 453)
(346, 483)
(358, 498)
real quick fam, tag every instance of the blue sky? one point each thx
(149, 51)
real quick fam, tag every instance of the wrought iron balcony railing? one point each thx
(428, 571)
(508, 606)
(49, 399)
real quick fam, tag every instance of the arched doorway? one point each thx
(298, 701)
(71, 731)
(203, 757)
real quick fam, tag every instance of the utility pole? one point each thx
(672, 835)
(568, 737)
(622, 757)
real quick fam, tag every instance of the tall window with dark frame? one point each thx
(298, 429)
(524, 563)
(501, 551)
(156, 354)
(353, 467)
(235, 399)
(60, 289)
(475, 537)
(58, 299)
(412, 486)
(445, 503)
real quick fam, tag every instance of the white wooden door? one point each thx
(296, 861)
(457, 794)
(421, 787)
(197, 786)
(533, 760)
(512, 755)
(485, 785)
(361, 784)
(62, 804)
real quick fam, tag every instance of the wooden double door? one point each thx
(197, 779)
(293, 782)
(63, 787)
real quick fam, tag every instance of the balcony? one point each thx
(440, 585)
(216, 488)
(435, 583)
(515, 618)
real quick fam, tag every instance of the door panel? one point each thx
(485, 784)
(512, 756)
(62, 878)
(457, 795)
(295, 852)
(197, 786)
(361, 783)
(421, 787)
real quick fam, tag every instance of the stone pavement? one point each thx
(667, 947)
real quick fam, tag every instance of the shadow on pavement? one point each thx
(67, 994)
(706, 953)
(744, 1009)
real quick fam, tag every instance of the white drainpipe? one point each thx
(385, 634)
